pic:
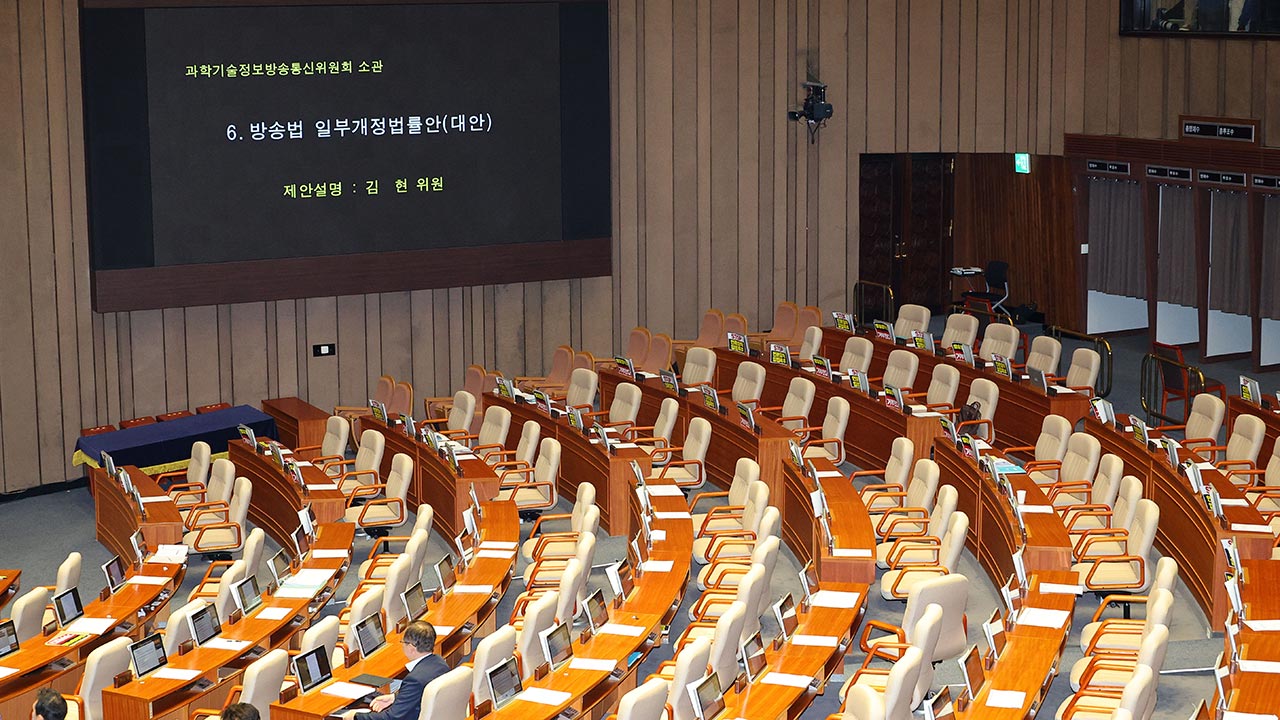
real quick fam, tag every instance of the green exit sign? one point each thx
(1022, 163)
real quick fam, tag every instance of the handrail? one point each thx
(1100, 345)
(959, 307)
(1152, 384)
(860, 302)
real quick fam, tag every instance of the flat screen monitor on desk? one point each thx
(708, 699)
(784, 612)
(504, 682)
(557, 644)
(67, 606)
(312, 669)
(247, 595)
(753, 659)
(415, 601)
(8, 638)
(148, 654)
(597, 610)
(444, 571)
(301, 542)
(204, 624)
(369, 634)
(113, 569)
(280, 567)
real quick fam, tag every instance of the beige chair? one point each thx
(1117, 559)
(492, 434)
(1082, 373)
(808, 316)
(903, 530)
(941, 557)
(713, 603)
(28, 613)
(987, 394)
(196, 474)
(322, 633)
(722, 523)
(829, 443)
(638, 343)
(960, 328)
(812, 344)
(364, 601)
(1105, 704)
(1166, 577)
(723, 660)
(1125, 635)
(793, 413)
(699, 366)
(100, 669)
(401, 402)
(745, 473)
(1264, 489)
(690, 664)
(912, 317)
(382, 554)
(858, 352)
(569, 588)
(533, 488)
(386, 504)
(1078, 463)
(582, 389)
(647, 702)
(495, 648)
(710, 332)
(1241, 451)
(727, 573)
(252, 560)
(684, 464)
(898, 469)
(557, 377)
(216, 492)
(337, 433)
(1203, 424)
(523, 455)
(545, 572)
(887, 502)
(1113, 670)
(446, 697)
(1083, 521)
(943, 387)
(862, 702)
(949, 592)
(226, 528)
(363, 468)
(659, 356)
(923, 635)
(1000, 339)
(1051, 443)
(740, 543)
(733, 323)
(540, 615)
(1045, 354)
(260, 686)
(543, 541)
(68, 577)
(652, 438)
(749, 384)
(622, 411)
(896, 685)
(900, 370)
(224, 602)
(1103, 489)
(457, 423)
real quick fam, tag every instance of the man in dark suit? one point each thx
(424, 665)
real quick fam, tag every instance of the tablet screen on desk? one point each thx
(784, 612)
(204, 624)
(279, 566)
(504, 682)
(148, 654)
(139, 545)
(8, 638)
(708, 700)
(67, 606)
(444, 571)
(557, 644)
(301, 542)
(312, 669)
(114, 570)
(369, 634)
(247, 595)
(415, 601)
(597, 611)
(753, 659)
(974, 674)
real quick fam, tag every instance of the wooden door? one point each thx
(880, 227)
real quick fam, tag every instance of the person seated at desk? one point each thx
(424, 665)
(49, 706)
(240, 711)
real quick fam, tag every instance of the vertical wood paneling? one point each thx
(748, 154)
(249, 353)
(832, 240)
(321, 326)
(924, 119)
(881, 62)
(175, 359)
(422, 355)
(146, 336)
(724, 154)
(990, 81)
(658, 166)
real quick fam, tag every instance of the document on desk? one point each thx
(829, 474)
(170, 554)
(835, 599)
(678, 515)
(330, 554)
(311, 576)
(1235, 715)
(145, 499)
(146, 580)
(169, 673)
(225, 644)
(297, 592)
(664, 491)
(1006, 699)
(6, 671)
(1260, 666)
(851, 552)
(348, 690)
(658, 566)
(91, 626)
(273, 613)
(1262, 625)
(1233, 502)
(658, 535)
(815, 640)
(473, 589)
(322, 486)
(1042, 617)
(543, 696)
(496, 554)
(497, 545)
(1036, 509)
(1058, 589)
(598, 665)
(786, 679)
(620, 629)
(1250, 527)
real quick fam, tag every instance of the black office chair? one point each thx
(996, 277)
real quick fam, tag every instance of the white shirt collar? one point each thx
(414, 662)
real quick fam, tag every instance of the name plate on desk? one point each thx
(779, 354)
(844, 321)
(737, 343)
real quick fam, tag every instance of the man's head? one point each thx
(240, 711)
(419, 639)
(49, 706)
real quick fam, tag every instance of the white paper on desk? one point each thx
(348, 690)
(1006, 698)
(443, 630)
(497, 545)
(1036, 509)
(91, 626)
(1250, 527)
(297, 592)
(496, 554)
(926, 414)
(851, 552)
(1263, 625)
(598, 665)
(159, 558)
(829, 474)
(176, 674)
(625, 446)
(323, 486)
(815, 640)
(273, 613)
(787, 679)
(179, 550)
(304, 463)
(1060, 390)
(543, 696)
(677, 515)
(1237, 502)
(620, 629)
(835, 599)
(664, 491)
(330, 554)
(6, 671)
(1057, 589)
(1206, 466)
(154, 499)
(473, 589)
(311, 576)
(146, 580)
(658, 566)
(1260, 666)
(658, 535)
(225, 644)
(1235, 715)
(1042, 617)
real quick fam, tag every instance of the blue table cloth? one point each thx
(170, 441)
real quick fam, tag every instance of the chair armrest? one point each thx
(1113, 560)
(937, 570)
(360, 491)
(924, 543)
(723, 512)
(683, 463)
(914, 520)
(395, 502)
(871, 625)
(723, 541)
(1042, 466)
(522, 472)
(1062, 488)
(667, 451)
(1114, 599)
(1116, 535)
(219, 511)
(693, 502)
(1020, 448)
(336, 464)
(199, 546)
(546, 540)
(537, 524)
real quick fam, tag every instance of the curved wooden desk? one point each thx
(117, 517)
(1256, 692)
(9, 585)
(277, 498)
(850, 558)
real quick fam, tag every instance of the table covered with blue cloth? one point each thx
(166, 442)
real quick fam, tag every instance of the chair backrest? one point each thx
(765, 554)
(177, 630)
(262, 680)
(571, 581)
(397, 581)
(400, 476)
(1086, 363)
(462, 412)
(638, 345)
(401, 399)
(561, 366)
(584, 497)
(944, 505)
(493, 649)
(527, 446)
(943, 386)
(416, 549)
(1142, 533)
(659, 357)
(668, 413)
(547, 469)
(809, 316)
(1246, 438)
(812, 342)
(337, 431)
(198, 467)
(1051, 444)
(224, 602)
(1126, 502)
(383, 389)
(1137, 693)
(495, 427)
(100, 669)
(953, 540)
(754, 594)
(28, 613)
(426, 516)
(924, 635)
(862, 702)
(369, 456)
(785, 319)
(1166, 574)
(646, 702)
(254, 542)
(1000, 339)
(857, 355)
(1081, 459)
(923, 488)
(798, 402)
(961, 328)
(222, 480)
(911, 317)
(901, 459)
(835, 424)
(951, 593)
(900, 687)
(68, 573)
(900, 371)
(1159, 607)
(240, 499)
(691, 664)
(699, 366)
(586, 556)
(711, 331)
(697, 439)
(750, 381)
(746, 472)
(723, 660)
(445, 698)
(1205, 420)
(322, 633)
(770, 523)
(1106, 484)
(582, 387)
(1044, 355)
(540, 615)
(473, 379)
(626, 403)
(987, 394)
(365, 604)
(590, 520)
(733, 323)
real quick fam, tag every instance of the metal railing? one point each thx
(886, 310)
(1100, 345)
(1151, 385)
(959, 307)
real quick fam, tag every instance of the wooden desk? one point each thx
(298, 422)
(1188, 532)
(853, 558)
(1237, 406)
(116, 514)
(161, 698)
(1256, 692)
(277, 498)
(9, 585)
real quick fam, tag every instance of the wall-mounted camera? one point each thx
(815, 111)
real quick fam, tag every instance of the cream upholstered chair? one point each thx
(223, 600)
(1106, 704)
(857, 355)
(690, 664)
(903, 530)
(723, 523)
(259, 687)
(829, 443)
(862, 702)
(363, 468)
(1045, 354)
(812, 344)
(928, 558)
(949, 592)
(226, 533)
(622, 411)
(727, 573)
(943, 387)
(745, 472)
(396, 582)
(322, 633)
(987, 394)
(540, 615)
(739, 544)
(723, 660)
(1105, 670)
(458, 422)
(1000, 339)
(496, 647)
(659, 356)
(1051, 443)
(386, 504)
(473, 381)
(1264, 491)
(923, 635)
(100, 669)
(1082, 373)
(28, 613)
(1103, 489)
(545, 542)
(699, 366)
(252, 559)
(556, 377)
(523, 455)
(653, 437)
(897, 685)
(1125, 635)
(446, 697)
(1203, 424)
(570, 587)
(749, 384)
(363, 602)
(888, 501)
(1118, 559)
(1242, 448)
(683, 464)
(196, 474)
(382, 391)
(898, 469)
(1078, 462)
(710, 331)
(582, 389)
(533, 488)
(960, 328)
(647, 702)
(900, 370)
(68, 577)
(638, 342)
(713, 603)
(1166, 577)
(337, 432)
(912, 317)
(545, 572)
(493, 432)
(415, 548)
(216, 492)
(1081, 519)
(793, 413)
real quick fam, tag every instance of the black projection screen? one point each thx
(256, 152)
